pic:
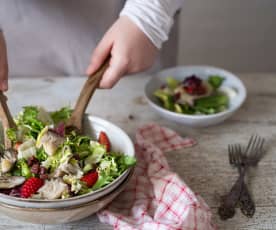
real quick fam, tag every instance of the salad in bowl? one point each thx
(47, 163)
(193, 95)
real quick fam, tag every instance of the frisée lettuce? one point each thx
(70, 163)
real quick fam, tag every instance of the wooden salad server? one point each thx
(6, 118)
(75, 122)
(9, 155)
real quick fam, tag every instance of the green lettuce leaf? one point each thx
(11, 134)
(215, 81)
(61, 115)
(172, 83)
(28, 118)
(103, 179)
(212, 104)
(41, 155)
(22, 169)
(111, 166)
(165, 99)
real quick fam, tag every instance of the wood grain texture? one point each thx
(6, 119)
(91, 84)
(204, 168)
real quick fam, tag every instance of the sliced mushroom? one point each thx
(53, 189)
(6, 165)
(50, 141)
(67, 168)
(7, 182)
(27, 149)
(7, 160)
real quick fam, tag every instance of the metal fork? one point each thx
(229, 201)
(252, 155)
(241, 161)
(239, 192)
(254, 150)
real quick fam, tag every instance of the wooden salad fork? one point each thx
(7, 119)
(75, 122)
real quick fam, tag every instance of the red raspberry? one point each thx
(103, 140)
(31, 186)
(90, 178)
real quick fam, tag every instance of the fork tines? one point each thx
(255, 146)
(253, 151)
(235, 154)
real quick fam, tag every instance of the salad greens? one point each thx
(61, 115)
(215, 81)
(193, 95)
(22, 169)
(33, 119)
(65, 161)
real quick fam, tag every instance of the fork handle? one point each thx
(246, 203)
(230, 200)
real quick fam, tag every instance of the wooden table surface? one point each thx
(204, 168)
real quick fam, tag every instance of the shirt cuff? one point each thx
(154, 17)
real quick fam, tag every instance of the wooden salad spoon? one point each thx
(75, 122)
(7, 119)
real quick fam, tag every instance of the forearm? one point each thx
(155, 17)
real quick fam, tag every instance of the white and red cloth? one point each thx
(156, 198)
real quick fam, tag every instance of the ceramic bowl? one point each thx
(180, 73)
(31, 210)
(61, 215)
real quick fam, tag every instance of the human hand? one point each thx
(3, 64)
(130, 49)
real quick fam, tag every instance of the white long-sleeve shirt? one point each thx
(154, 17)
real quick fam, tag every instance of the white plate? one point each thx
(180, 73)
(120, 142)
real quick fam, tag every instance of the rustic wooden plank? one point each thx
(204, 168)
(86, 224)
(12, 224)
(264, 219)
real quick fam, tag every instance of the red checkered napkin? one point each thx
(156, 198)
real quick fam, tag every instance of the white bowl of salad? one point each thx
(196, 96)
(50, 170)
